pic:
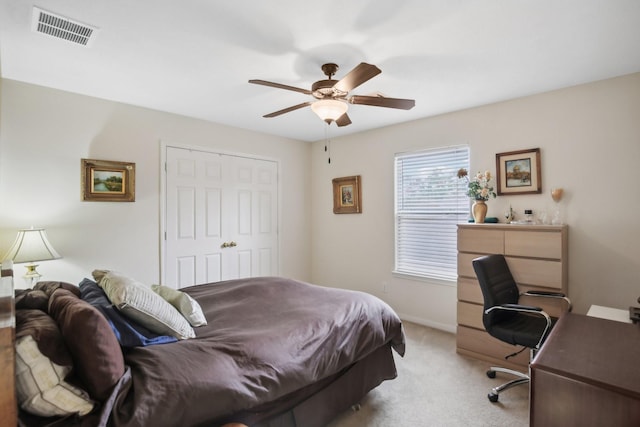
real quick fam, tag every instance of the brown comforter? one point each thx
(265, 338)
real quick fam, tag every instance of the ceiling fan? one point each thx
(332, 100)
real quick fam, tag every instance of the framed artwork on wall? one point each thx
(518, 172)
(347, 196)
(108, 181)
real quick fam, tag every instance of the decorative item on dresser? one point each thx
(556, 196)
(537, 258)
(479, 189)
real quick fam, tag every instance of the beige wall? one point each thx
(43, 135)
(589, 138)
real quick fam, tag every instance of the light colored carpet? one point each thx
(438, 387)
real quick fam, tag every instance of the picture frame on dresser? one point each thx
(519, 172)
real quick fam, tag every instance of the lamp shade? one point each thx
(329, 109)
(31, 245)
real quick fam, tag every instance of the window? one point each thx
(430, 201)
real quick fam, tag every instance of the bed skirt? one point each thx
(317, 405)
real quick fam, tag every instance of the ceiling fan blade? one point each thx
(280, 86)
(287, 110)
(343, 120)
(360, 74)
(383, 101)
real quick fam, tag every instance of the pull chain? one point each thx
(327, 143)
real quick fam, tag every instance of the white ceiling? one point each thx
(194, 57)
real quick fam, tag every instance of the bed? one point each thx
(274, 352)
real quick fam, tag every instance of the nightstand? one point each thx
(8, 405)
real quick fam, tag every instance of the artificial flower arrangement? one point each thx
(479, 186)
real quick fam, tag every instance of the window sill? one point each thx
(436, 280)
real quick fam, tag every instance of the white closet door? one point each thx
(221, 217)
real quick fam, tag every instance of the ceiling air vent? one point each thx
(62, 28)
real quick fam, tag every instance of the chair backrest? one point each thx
(498, 287)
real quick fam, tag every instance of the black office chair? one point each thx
(508, 321)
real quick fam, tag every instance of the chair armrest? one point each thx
(522, 307)
(519, 307)
(544, 294)
(526, 309)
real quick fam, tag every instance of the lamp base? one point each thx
(31, 276)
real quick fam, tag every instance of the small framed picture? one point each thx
(108, 181)
(347, 196)
(518, 172)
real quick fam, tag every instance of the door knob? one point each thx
(231, 244)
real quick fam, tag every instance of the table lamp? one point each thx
(31, 246)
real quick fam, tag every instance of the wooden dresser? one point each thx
(8, 405)
(537, 257)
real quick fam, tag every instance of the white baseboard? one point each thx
(429, 323)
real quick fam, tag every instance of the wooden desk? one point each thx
(587, 374)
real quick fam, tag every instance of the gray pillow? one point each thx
(184, 303)
(137, 301)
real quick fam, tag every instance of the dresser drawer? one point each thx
(533, 244)
(465, 266)
(482, 241)
(526, 271)
(470, 315)
(480, 343)
(536, 272)
(469, 290)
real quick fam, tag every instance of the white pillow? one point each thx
(183, 302)
(140, 303)
(40, 384)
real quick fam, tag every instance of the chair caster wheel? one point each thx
(493, 397)
(491, 374)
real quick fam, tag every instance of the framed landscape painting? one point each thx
(108, 181)
(518, 172)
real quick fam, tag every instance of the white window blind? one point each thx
(430, 201)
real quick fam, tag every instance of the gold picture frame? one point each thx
(347, 195)
(108, 181)
(519, 172)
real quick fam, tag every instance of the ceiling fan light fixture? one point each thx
(332, 100)
(329, 110)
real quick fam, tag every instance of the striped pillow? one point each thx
(184, 303)
(40, 384)
(140, 303)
